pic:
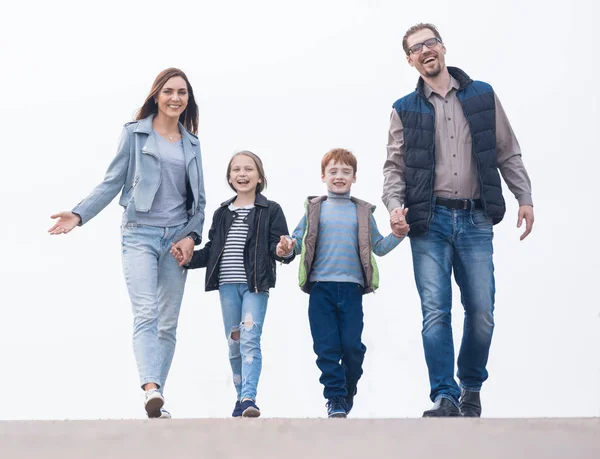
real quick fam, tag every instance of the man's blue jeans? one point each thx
(336, 323)
(243, 318)
(459, 240)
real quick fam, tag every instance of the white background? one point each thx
(289, 81)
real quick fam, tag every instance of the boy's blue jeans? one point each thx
(336, 323)
(243, 318)
(459, 241)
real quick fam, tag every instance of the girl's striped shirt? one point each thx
(231, 265)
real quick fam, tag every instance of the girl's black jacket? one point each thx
(266, 225)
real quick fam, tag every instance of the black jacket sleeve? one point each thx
(200, 257)
(277, 228)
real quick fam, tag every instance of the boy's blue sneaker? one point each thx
(237, 410)
(349, 399)
(249, 409)
(336, 407)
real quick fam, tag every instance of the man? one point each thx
(448, 141)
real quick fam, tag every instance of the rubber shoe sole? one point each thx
(153, 407)
(251, 412)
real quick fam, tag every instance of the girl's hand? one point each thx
(66, 222)
(285, 246)
(183, 250)
(177, 254)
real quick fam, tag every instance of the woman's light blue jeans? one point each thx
(243, 318)
(155, 283)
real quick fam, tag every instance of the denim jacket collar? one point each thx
(144, 126)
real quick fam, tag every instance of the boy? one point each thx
(335, 239)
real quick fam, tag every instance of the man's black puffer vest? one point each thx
(418, 119)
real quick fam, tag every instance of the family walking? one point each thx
(448, 143)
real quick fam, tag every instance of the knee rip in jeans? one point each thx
(234, 336)
(248, 322)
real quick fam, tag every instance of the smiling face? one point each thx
(172, 99)
(243, 174)
(338, 177)
(429, 62)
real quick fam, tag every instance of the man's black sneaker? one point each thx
(470, 404)
(442, 408)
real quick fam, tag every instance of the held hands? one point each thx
(398, 222)
(66, 222)
(525, 212)
(285, 246)
(183, 250)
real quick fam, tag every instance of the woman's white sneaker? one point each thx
(153, 402)
(164, 414)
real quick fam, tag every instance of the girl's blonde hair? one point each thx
(259, 167)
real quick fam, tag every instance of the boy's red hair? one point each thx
(339, 156)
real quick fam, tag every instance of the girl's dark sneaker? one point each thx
(249, 409)
(237, 410)
(336, 407)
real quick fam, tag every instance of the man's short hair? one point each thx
(339, 156)
(416, 28)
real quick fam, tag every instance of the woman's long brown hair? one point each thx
(189, 117)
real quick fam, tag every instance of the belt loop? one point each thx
(465, 204)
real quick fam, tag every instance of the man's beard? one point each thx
(435, 72)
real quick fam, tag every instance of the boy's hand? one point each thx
(398, 222)
(285, 246)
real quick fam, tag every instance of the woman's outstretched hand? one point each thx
(66, 222)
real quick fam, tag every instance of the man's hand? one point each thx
(398, 222)
(525, 212)
(285, 246)
(183, 250)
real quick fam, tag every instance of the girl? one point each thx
(246, 237)
(158, 170)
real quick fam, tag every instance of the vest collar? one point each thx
(461, 77)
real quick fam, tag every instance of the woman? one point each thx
(158, 170)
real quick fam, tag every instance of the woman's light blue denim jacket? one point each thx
(136, 171)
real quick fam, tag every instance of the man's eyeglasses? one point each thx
(430, 43)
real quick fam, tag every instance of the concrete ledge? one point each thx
(303, 438)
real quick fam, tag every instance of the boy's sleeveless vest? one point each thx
(311, 232)
(418, 119)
